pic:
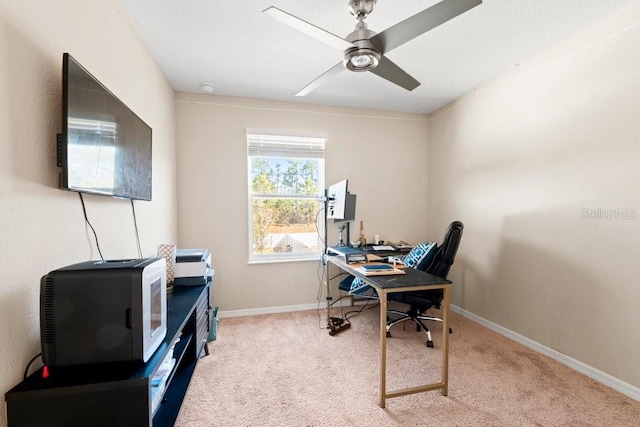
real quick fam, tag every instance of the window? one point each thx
(286, 184)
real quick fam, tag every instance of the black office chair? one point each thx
(421, 301)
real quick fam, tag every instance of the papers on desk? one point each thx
(378, 270)
(404, 246)
(383, 248)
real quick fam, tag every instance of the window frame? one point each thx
(278, 144)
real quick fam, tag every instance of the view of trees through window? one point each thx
(284, 204)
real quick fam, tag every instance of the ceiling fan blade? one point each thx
(420, 23)
(307, 28)
(390, 71)
(332, 72)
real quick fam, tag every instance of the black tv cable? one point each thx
(84, 210)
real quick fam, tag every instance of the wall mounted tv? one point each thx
(104, 148)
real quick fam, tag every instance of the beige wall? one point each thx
(384, 156)
(523, 161)
(42, 227)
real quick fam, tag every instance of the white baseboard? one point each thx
(268, 310)
(606, 379)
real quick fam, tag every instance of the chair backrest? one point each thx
(446, 254)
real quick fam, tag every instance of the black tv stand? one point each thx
(119, 394)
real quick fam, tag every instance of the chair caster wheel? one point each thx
(430, 344)
(450, 330)
(388, 334)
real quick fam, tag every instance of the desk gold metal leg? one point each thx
(445, 340)
(383, 346)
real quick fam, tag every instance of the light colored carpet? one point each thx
(285, 370)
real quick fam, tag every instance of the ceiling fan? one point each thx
(364, 49)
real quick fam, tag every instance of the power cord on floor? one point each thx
(351, 314)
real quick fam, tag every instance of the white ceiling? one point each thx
(232, 45)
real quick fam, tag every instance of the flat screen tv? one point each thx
(104, 148)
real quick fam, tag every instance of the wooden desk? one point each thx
(412, 280)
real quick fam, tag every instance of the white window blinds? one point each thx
(269, 145)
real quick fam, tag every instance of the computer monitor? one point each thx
(341, 205)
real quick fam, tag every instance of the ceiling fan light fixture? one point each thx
(361, 59)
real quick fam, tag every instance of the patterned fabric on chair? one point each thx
(421, 255)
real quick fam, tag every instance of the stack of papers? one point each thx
(378, 269)
(382, 248)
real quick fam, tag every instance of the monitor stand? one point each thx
(341, 229)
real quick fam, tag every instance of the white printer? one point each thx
(193, 267)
